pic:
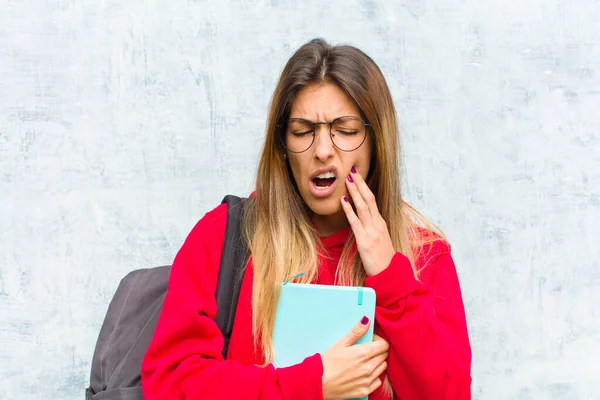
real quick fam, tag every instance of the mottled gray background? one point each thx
(123, 122)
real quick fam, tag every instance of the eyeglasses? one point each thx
(347, 133)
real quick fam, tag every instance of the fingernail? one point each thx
(353, 170)
(350, 179)
(345, 199)
(364, 320)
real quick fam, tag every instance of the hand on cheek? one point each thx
(373, 239)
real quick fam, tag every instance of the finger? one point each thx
(368, 351)
(353, 219)
(377, 372)
(357, 332)
(362, 207)
(377, 360)
(377, 338)
(378, 347)
(372, 370)
(365, 192)
(375, 385)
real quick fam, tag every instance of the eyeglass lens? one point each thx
(347, 133)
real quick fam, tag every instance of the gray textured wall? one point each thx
(122, 122)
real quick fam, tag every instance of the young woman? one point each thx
(328, 204)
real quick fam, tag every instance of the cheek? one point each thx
(366, 157)
(362, 162)
(296, 167)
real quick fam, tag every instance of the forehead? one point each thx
(323, 102)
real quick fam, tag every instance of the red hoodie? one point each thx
(423, 321)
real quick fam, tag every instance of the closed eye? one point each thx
(301, 133)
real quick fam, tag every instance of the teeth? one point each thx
(326, 175)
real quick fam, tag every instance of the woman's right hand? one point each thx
(351, 371)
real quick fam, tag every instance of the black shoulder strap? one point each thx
(234, 256)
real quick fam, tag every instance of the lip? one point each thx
(316, 192)
(320, 171)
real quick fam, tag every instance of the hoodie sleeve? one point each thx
(184, 359)
(424, 322)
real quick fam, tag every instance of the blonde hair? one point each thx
(281, 237)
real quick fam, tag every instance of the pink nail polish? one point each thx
(353, 170)
(345, 199)
(364, 320)
(350, 179)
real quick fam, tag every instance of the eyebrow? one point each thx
(333, 119)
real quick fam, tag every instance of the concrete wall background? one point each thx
(122, 122)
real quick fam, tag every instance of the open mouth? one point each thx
(324, 180)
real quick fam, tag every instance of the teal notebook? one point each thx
(311, 318)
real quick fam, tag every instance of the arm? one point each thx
(184, 360)
(425, 325)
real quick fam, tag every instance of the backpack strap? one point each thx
(234, 256)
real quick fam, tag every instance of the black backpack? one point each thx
(134, 310)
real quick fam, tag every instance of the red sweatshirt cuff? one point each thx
(303, 381)
(394, 283)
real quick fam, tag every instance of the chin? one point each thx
(325, 207)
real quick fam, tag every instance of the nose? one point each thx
(323, 146)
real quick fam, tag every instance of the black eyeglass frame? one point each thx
(314, 132)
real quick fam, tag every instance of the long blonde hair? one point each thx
(281, 237)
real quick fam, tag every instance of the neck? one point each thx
(329, 224)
